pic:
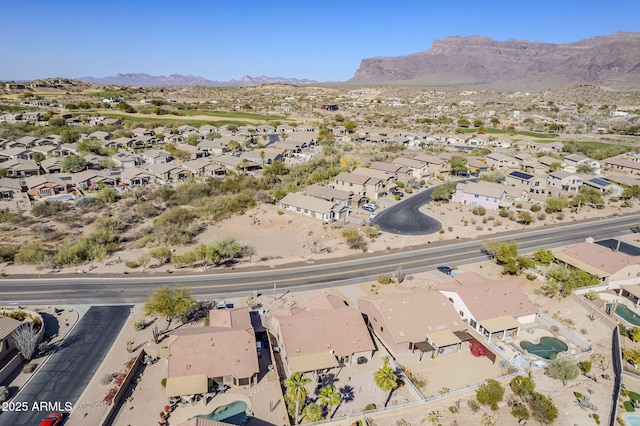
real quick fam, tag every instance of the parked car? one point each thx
(373, 215)
(398, 194)
(369, 207)
(362, 360)
(444, 269)
(53, 419)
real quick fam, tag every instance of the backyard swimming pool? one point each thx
(234, 413)
(547, 347)
(626, 314)
(633, 420)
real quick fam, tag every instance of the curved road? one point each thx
(102, 290)
(405, 218)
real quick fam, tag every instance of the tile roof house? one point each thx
(9, 188)
(611, 267)
(45, 186)
(369, 187)
(406, 319)
(225, 351)
(489, 306)
(345, 198)
(491, 197)
(327, 211)
(564, 181)
(419, 169)
(532, 183)
(327, 334)
(20, 168)
(398, 172)
(7, 345)
(623, 165)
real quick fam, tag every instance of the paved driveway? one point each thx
(59, 383)
(405, 218)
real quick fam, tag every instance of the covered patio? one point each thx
(187, 387)
(505, 325)
(631, 292)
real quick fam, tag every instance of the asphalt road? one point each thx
(64, 376)
(405, 218)
(321, 274)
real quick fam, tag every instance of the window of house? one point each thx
(476, 196)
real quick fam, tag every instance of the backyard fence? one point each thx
(565, 332)
(593, 309)
(616, 356)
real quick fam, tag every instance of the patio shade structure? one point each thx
(500, 324)
(632, 292)
(187, 385)
(442, 339)
(313, 362)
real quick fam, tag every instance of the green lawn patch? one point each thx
(235, 115)
(162, 119)
(628, 406)
(538, 135)
(633, 396)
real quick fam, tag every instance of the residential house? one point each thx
(52, 165)
(194, 151)
(574, 160)
(480, 194)
(491, 307)
(556, 147)
(264, 155)
(156, 156)
(562, 180)
(48, 150)
(416, 319)
(604, 185)
(235, 163)
(168, 172)
(45, 186)
(369, 187)
(93, 179)
(387, 179)
(9, 188)
(532, 183)
(344, 198)
(126, 161)
(546, 161)
(100, 135)
(326, 334)
(623, 165)
(420, 170)
(20, 168)
(327, 211)
(8, 349)
(224, 353)
(134, 176)
(436, 165)
(197, 167)
(609, 266)
(18, 153)
(501, 162)
(214, 146)
(399, 173)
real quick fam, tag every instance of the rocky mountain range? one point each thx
(474, 61)
(178, 80)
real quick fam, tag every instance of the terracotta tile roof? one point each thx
(7, 326)
(326, 325)
(227, 350)
(596, 259)
(488, 299)
(412, 315)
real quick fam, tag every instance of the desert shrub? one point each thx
(4, 394)
(585, 366)
(8, 252)
(31, 253)
(44, 347)
(408, 190)
(369, 407)
(536, 208)
(85, 202)
(503, 212)
(354, 239)
(479, 211)
(384, 279)
(473, 405)
(7, 216)
(531, 277)
(106, 378)
(397, 197)
(560, 216)
(29, 368)
(131, 264)
(146, 209)
(214, 253)
(520, 411)
(177, 226)
(16, 315)
(49, 208)
(591, 295)
(224, 206)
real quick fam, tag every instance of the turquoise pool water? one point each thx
(633, 420)
(234, 413)
(547, 348)
(626, 314)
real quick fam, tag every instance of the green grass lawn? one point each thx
(538, 135)
(628, 406)
(161, 119)
(236, 115)
(496, 131)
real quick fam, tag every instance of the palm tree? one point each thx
(297, 390)
(330, 397)
(386, 378)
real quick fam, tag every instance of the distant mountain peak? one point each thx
(175, 80)
(481, 61)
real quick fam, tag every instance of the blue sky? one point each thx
(223, 40)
